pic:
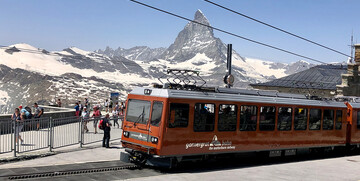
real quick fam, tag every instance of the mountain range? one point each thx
(29, 74)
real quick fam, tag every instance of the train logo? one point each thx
(215, 144)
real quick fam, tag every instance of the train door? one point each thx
(155, 122)
(349, 121)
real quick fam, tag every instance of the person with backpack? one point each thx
(96, 116)
(106, 126)
(25, 112)
(19, 121)
(39, 111)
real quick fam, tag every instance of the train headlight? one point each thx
(154, 140)
(126, 134)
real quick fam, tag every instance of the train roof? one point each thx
(240, 95)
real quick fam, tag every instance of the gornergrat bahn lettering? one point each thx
(167, 125)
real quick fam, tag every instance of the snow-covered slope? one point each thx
(71, 60)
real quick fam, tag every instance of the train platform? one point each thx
(71, 155)
(99, 163)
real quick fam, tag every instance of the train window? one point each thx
(267, 118)
(300, 119)
(156, 113)
(358, 120)
(248, 118)
(179, 115)
(284, 118)
(227, 117)
(328, 120)
(315, 119)
(204, 118)
(138, 111)
(338, 121)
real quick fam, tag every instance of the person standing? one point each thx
(122, 107)
(25, 113)
(85, 116)
(77, 109)
(87, 104)
(117, 107)
(81, 107)
(58, 103)
(96, 116)
(107, 128)
(111, 105)
(115, 115)
(38, 113)
(106, 105)
(19, 121)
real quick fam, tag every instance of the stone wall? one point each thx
(49, 111)
(350, 83)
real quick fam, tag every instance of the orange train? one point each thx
(164, 126)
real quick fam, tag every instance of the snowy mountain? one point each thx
(197, 48)
(142, 53)
(29, 74)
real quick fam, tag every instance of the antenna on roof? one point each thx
(229, 78)
(352, 48)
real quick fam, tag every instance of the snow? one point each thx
(264, 67)
(64, 53)
(207, 64)
(250, 71)
(3, 97)
(24, 46)
(79, 51)
(51, 65)
(302, 61)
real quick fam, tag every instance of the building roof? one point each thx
(318, 77)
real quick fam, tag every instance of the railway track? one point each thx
(64, 170)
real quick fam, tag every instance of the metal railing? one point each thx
(6, 136)
(48, 133)
(34, 133)
(65, 132)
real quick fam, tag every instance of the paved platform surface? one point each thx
(71, 156)
(342, 168)
(249, 168)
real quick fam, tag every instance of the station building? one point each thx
(321, 80)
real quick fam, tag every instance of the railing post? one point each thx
(14, 130)
(81, 132)
(50, 134)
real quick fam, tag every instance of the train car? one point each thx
(163, 126)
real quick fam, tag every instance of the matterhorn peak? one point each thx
(200, 17)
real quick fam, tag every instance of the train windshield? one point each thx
(138, 111)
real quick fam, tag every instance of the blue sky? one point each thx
(94, 24)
